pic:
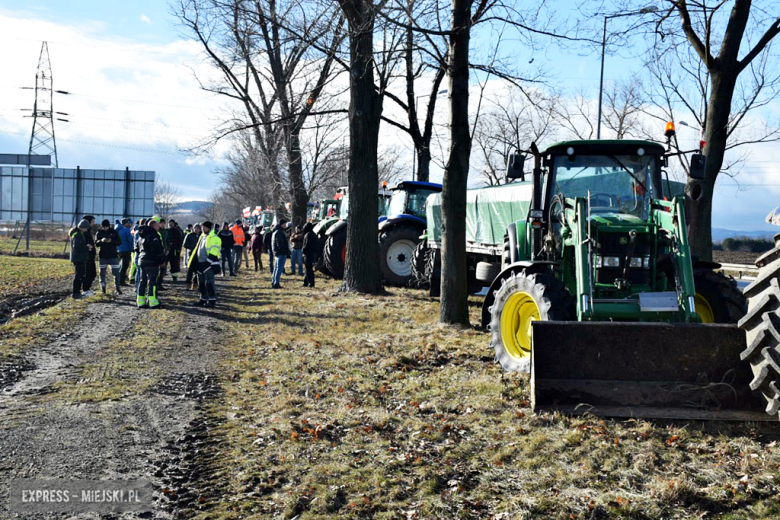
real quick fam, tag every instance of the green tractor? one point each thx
(335, 249)
(589, 268)
(328, 216)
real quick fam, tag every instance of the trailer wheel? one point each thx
(335, 252)
(762, 330)
(718, 299)
(419, 259)
(433, 273)
(487, 272)
(522, 299)
(396, 247)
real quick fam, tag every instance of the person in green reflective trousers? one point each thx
(151, 259)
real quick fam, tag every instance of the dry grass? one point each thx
(348, 406)
(19, 273)
(47, 248)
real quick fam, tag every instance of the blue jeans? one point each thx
(296, 259)
(279, 268)
(227, 255)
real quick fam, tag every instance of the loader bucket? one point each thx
(642, 370)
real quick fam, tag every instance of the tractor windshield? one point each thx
(616, 183)
(397, 203)
(344, 208)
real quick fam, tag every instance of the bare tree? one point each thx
(166, 197)
(723, 56)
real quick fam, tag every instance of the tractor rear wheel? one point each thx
(320, 264)
(762, 328)
(522, 299)
(419, 258)
(396, 246)
(433, 273)
(335, 253)
(718, 299)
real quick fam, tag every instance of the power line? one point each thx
(107, 145)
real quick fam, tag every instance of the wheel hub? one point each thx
(517, 317)
(398, 255)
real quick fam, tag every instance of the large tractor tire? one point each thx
(419, 258)
(487, 272)
(433, 273)
(335, 253)
(718, 299)
(762, 328)
(320, 263)
(522, 299)
(396, 248)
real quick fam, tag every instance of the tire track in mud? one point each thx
(51, 428)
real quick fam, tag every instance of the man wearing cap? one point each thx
(206, 257)
(239, 241)
(79, 256)
(151, 258)
(91, 272)
(190, 242)
(175, 241)
(226, 236)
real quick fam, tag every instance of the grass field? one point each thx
(19, 273)
(348, 406)
(54, 248)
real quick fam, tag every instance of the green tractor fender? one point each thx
(516, 267)
(518, 249)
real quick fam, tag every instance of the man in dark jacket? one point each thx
(227, 249)
(190, 241)
(256, 245)
(91, 272)
(267, 232)
(79, 256)
(175, 242)
(125, 249)
(310, 249)
(151, 259)
(107, 242)
(281, 249)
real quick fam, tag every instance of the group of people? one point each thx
(146, 251)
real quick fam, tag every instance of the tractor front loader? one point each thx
(600, 299)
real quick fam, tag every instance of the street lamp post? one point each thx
(644, 10)
(414, 161)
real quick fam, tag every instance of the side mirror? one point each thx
(698, 161)
(514, 168)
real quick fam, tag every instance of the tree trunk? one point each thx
(454, 275)
(424, 162)
(300, 198)
(699, 193)
(361, 273)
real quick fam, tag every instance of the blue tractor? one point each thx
(400, 232)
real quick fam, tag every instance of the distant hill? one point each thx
(720, 234)
(189, 206)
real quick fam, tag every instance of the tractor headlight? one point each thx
(607, 261)
(646, 262)
(636, 262)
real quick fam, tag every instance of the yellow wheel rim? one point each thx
(519, 312)
(703, 309)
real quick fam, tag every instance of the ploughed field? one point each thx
(300, 403)
(735, 257)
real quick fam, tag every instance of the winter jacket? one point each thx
(175, 239)
(150, 247)
(279, 243)
(127, 240)
(108, 250)
(239, 237)
(164, 236)
(311, 246)
(297, 240)
(191, 240)
(78, 246)
(90, 241)
(206, 250)
(257, 243)
(226, 236)
(267, 239)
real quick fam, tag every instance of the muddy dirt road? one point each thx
(117, 394)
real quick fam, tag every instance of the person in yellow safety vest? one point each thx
(151, 257)
(205, 257)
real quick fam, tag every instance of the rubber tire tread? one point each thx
(386, 239)
(433, 273)
(487, 272)
(419, 259)
(762, 330)
(554, 302)
(332, 253)
(728, 303)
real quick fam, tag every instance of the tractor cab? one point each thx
(328, 208)
(408, 198)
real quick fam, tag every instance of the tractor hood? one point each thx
(617, 219)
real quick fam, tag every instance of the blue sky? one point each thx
(129, 73)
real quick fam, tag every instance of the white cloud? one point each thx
(145, 19)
